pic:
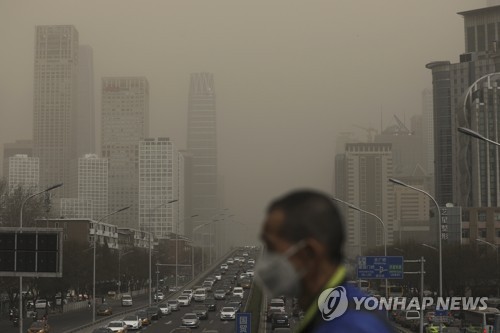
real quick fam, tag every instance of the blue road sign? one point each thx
(373, 267)
(243, 322)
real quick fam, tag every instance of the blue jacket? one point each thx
(352, 321)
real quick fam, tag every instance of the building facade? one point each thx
(55, 102)
(19, 147)
(202, 145)
(367, 169)
(161, 173)
(24, 172)
(428, 131)
(85, 135)
(125, 122)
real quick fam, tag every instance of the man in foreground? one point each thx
(303, 234)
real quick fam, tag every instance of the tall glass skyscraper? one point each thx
(125, 122)
(55, 102)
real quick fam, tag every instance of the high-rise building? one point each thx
(451, 84)
(85, 135)
(202, 145)
(92, 190)
(19, 147)
(55, 102)
(367, 169)
(427, 131)
(23, 172)
(161, 173)
(125, 122)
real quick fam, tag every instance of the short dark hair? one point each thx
(311, 213)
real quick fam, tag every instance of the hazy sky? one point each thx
(289, 74)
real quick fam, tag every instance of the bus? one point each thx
(481, 321)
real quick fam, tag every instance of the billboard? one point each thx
(31, 252)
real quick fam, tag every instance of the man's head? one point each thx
(309, 223)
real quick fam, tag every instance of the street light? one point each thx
(398, 182)
(96, 225)
(474, 134)
(150, 235)
(177, 251)
(430, 247)
(383, 226)
(53, 187)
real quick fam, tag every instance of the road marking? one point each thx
(168, 322)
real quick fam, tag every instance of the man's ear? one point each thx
(315, 249)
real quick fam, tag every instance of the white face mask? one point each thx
(276, 274)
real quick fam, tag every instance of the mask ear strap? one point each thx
(295, 248)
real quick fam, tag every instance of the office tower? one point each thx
(55, 102)
(125, 122)
(160, 181)
(19, 147)
(92, 190)
(451, 84)
(366, 170)
(85, 135)
(428, 131)
(188, 211)
(202, 145)
(23, 172)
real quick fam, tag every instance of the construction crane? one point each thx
(369, 130)
(402, 128)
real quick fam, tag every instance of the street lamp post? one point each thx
(53, 187)
(398, 182)
(383, 226)
(96, 225)
(177, 251)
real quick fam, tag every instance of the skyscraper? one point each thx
(202, 145)
(366, 170)
(85, 135)
(55, 101)
(427, 131)
(451, 94)
(161, 173)
(125, 122)
(19, 147)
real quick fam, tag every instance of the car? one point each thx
(190, 320)
(188, 292)
(280, 320)
(42, 304)
(270, 313)
(276, 303)
(250, 273)
(39, 327)
(235, 299)
(164, 308)
(207, 285)
(224, 266)
(218, 276)
(251, 261)
(220, 294)
(104, 310)
(238, 291)
(127, 300)
(200, 294)
(154, 312)
(102, 330)
(245, 283)
(279, 330)
(117, 326)
(210, 303)
(235, 305)
(184, 300)
(133, 322)
(228, 313)
(144, 317)
(159, 297)
(201, 311)
(230, 261)
(173, 304)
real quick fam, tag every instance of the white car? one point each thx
(238, 291)
(159, 296)
(118, 326)
(173, 304)
(251, 261)
(42, 304)
(218, 276)
(228, 313)
(224, 266)
(133, 322)
(200, 294)
(127, 300)
(250, 272)
(164, 308)
(184, 300)
(230, 261)
(188, 292)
